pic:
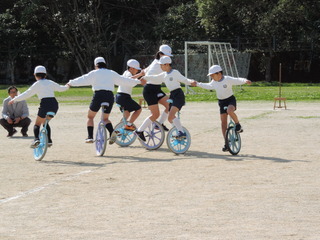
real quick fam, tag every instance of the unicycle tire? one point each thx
(233, 141)
(40, 151)
(154, 135)
(101, 139)
(124, 137)
(176, 145)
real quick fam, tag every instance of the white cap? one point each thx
(99, 60)
(165, 60)
(134, 64)
(40, 69)
(214, 69)
(166, 50)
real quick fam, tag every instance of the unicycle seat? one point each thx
(51, 114)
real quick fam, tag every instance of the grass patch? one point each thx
(308, 117)
(259, 116)
(258, 91)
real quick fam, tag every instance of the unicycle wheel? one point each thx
(233, 141)
(40, 151)
(124, 138)
(101, 139)
(154, 135)
(178, 145)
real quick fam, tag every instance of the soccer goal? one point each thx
(200, 56)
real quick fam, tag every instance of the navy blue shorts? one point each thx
(152, 94)
(100, 97)
(178, 98)
(48, 105)
(126, 101)
(226, 102)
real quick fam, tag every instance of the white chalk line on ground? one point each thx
(38, 189)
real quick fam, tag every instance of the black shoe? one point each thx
(140, 135)
(239, 128)
(24, 134)
(12, 133)
(181, 135)
(49, 143)
(225, 149)
(163, 126)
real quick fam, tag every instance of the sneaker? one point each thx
(113, 137)
(163, 126)
(12, 133)
(49, 143)
(140, 135)
(89, 140)
(181, 135)
(35, 143)
(24, 134)
(129, 128)
(225, 149)
(239, 128)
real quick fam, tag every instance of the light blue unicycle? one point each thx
(124, 137)
(178, 145)
(101, 134)
(232, 138)
(41, 149)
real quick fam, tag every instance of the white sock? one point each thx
(146, 123)
(177, 124)
(163, 117)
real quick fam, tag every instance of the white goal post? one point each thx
(217, 53)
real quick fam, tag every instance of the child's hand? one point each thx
(194, 84)
(248, 82)
(11, 102)
(143, 81)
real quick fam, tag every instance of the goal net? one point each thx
(200, 56)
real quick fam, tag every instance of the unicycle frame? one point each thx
(175, 144)
(40, 151)
(232, 138)
(124, 137)
(101, 133)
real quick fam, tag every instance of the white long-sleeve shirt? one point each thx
(128, 87)
(44, 88)
(102, 79)
(153, 69)
(224, 86)
(172, 79)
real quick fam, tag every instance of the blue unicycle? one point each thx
(124, 137)
(232, 138)
(41, 149)
(176, 144)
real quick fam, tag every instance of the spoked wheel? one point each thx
(233, 141)
(40, 151)
(178, 145)
(101, 139)
(124, 137)
(154, 135)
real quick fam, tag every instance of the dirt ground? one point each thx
(269, 191)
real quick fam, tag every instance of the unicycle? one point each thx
(176, 144)
(124, 137)
(232, 138)
(41, 149)
(101, 134)
(154, 135)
